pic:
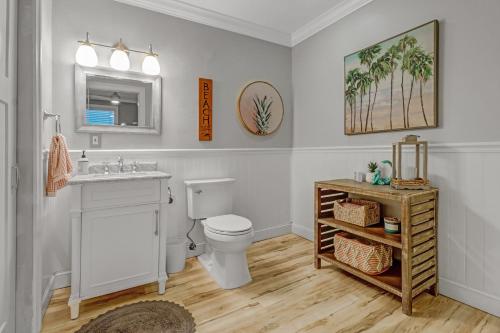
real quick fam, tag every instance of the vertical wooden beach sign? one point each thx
(205, 109)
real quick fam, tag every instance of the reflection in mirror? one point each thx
(112, 102)
(117, 102)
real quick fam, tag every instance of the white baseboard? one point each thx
(62, 279)
(302, 231)
(57, 280)
(47, 294)
(272, 232)
(470, 296)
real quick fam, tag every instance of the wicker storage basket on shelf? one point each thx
(357, 211)
(368, 256)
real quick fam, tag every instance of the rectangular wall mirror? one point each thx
(109, 101)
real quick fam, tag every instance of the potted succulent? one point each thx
(372, 167)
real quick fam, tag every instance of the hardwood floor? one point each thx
(286, 295)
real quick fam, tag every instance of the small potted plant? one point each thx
(372, 167)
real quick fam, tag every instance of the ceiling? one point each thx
(285, 22)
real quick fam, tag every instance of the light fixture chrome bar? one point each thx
(87, 42)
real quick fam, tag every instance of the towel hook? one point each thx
(58, 124)
(47, 115)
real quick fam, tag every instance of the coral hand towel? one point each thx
(60, 166)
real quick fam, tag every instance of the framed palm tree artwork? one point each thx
(392, 85)
(260, 108)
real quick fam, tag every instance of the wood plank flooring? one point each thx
(286, 295)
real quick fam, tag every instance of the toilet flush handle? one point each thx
(198, 192)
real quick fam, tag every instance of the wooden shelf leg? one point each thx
(317, 245)
(407, 305)
(317, 262)
(434, 290)
(406, 255)
(317, 227)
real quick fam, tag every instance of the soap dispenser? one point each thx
(83, 164)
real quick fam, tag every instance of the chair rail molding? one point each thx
(455, 147)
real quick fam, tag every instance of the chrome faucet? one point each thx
(106, 168)
(120, 164)
(134, 167)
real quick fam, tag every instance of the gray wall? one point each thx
(468, 80)
(187, 51)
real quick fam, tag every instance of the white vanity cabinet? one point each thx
(118, 228)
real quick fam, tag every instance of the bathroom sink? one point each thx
(123, 176)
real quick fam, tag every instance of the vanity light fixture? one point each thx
(150, 63)
(86, 56)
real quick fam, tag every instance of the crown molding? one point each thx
(329, 17)
(211, 18)
(226, 22)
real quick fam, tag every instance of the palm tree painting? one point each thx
(392, 85)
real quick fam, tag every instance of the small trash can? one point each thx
(176, 254)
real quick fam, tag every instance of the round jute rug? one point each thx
(143, 317)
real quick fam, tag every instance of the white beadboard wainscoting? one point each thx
(275, 186)
(262, 194)
(469, 223)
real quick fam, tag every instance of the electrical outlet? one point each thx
(95, 140)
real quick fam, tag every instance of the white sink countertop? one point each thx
(114, 177)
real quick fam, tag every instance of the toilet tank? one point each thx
(209, 197)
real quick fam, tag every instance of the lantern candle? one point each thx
(408, 177)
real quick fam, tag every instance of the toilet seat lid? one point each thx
(228, 224)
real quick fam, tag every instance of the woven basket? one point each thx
(357, 211)
(410, 184)
(368, 256)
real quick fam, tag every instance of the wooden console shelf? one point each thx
(375, 232)
(417, 270)
(390, 280)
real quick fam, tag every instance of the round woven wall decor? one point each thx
(143, 317)
(260, 108)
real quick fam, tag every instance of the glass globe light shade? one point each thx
(86, 56)
(115, 99)
(119, 60)
(150, 65)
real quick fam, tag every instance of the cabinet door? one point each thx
(119, 249)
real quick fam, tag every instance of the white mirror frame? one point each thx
(81, 74)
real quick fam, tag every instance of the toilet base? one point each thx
(217, 265)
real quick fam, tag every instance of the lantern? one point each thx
(409, 177)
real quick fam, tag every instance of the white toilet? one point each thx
(228, 235)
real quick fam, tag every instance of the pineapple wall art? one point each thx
(392, 85)
(260, 108)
